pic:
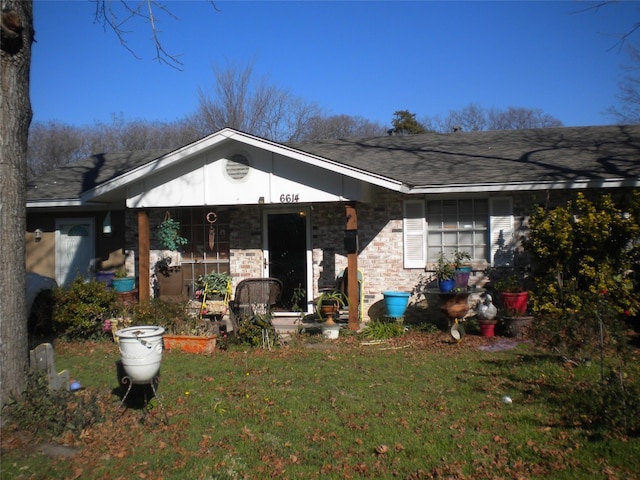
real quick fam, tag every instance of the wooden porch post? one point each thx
(352, 272)
(144, 290)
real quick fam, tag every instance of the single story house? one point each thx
(304, 212)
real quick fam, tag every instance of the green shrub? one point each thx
(157, 311)
(80, 310)
(581, 250)
(378, 330)
(250, 332)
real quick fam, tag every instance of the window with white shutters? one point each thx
(481, 227)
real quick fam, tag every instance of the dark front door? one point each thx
(287, 254)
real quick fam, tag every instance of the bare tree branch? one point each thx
(116, 14)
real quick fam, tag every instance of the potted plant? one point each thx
(191, 334)
(462, 270)
(328, 305)
(445, 273)
(121, 282)
(213, 285)
(182, 330)
(168, 233)
(213, 291)
(513, 295)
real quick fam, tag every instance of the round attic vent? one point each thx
(237, 167)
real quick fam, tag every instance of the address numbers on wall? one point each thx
(290, 198)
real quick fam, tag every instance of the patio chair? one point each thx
(254, 299)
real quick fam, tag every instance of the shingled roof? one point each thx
(548, 155)
(557, 157)
(69, 181)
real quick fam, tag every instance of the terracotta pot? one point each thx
(329, 310)
(190, 344)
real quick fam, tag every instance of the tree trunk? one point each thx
(15, 117)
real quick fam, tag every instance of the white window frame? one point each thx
(479, 232)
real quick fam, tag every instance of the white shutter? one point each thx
(502, 234)
(414, 234)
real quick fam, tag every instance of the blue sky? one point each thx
(364, 58)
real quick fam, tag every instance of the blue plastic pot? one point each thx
(396, 303)
(447, 285)
(121, 285)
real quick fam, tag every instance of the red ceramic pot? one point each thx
(515, 304)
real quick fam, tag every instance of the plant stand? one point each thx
(126, 380)
(487, 327)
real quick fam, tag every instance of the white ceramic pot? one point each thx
(141, 352)
(331, 333)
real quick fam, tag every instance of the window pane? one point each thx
(457, 225)
(434, 238)
(450, 239)
(465, 238)
(449, 215)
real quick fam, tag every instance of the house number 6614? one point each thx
(290, 198)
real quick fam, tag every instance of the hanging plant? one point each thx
(168, 234)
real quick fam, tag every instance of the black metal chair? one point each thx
(253, 300)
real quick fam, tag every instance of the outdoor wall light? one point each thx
(37, 234)
(261, 200)
(106, 223)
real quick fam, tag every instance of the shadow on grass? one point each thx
(138, 396)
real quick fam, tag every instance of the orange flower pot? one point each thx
(190, 344)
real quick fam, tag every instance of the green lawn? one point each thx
(419, 407)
